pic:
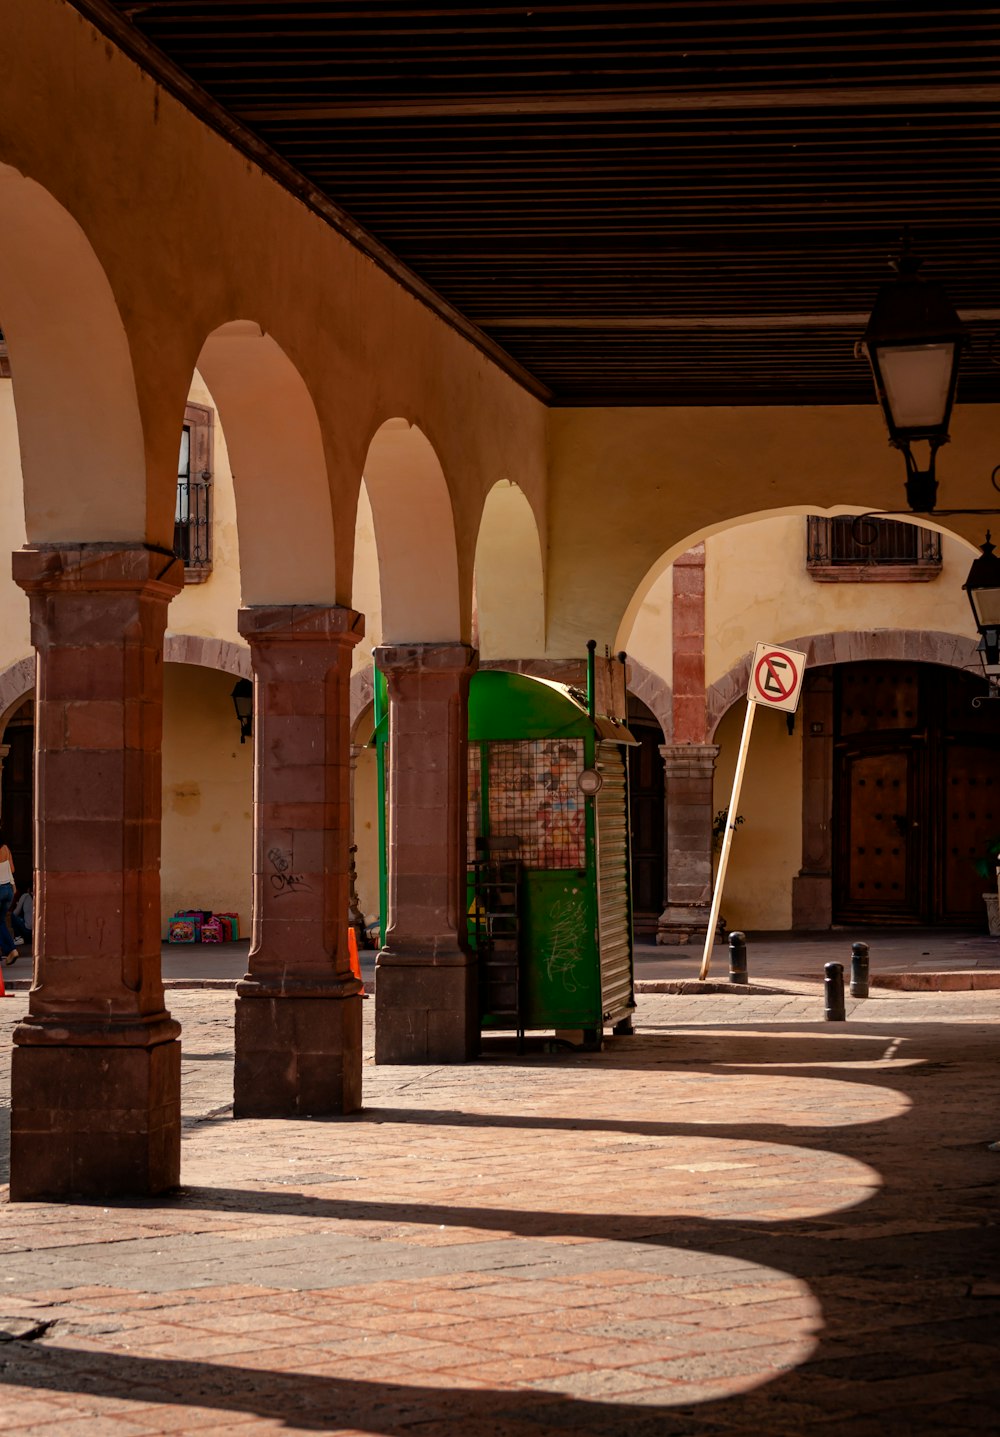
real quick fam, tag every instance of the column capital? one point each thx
(97, 568)
(430, 659)
(317, 623)
(689, 760)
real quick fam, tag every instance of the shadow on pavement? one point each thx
(909, 1258)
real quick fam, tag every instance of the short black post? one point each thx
(859, 970)
(833, 993)
(738, 958)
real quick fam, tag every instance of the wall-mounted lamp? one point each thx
(914, 343)
(242, 697)
(983, 589)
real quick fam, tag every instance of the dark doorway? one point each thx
(646, 813)
(916, 793)
(18, 792)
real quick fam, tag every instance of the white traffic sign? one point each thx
(776, 677)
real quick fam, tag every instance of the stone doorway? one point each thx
(916, 794)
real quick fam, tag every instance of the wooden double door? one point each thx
(916, 793)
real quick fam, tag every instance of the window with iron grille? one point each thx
(865, 549)
(193, 509)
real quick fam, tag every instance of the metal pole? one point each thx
(738, 958)
(833, 993)
(859, 970)
(727, 839)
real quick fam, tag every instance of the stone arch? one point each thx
(219, 654)
(79, 429)
(17, 681)
(362, 700)
(654, 692)
(415, 537)
(907, 645)
(509, 577)
(283, 504)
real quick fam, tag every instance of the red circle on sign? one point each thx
(779, 691)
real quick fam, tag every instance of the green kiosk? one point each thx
(549, 878)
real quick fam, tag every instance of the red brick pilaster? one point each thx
(688, 642)
(96, 1070)
(298, 1011)
(426, 1001)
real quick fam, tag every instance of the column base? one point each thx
(93, 1122)
(297, 1057)
(812, 901)
(426, 1010)
(684, 923)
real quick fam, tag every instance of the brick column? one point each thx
(298, 1011)
(688, 644)
(689, 769)
(426, 997)
(95, 1087)
(689, 763)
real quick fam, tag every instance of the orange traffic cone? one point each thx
(352, 953)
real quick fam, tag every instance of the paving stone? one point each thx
(738, 1221)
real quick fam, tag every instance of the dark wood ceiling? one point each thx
(649, 203)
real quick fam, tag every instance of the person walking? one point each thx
(8, 948)
(22, 918)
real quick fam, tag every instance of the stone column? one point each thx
(689, 763)
(298, 1011)
(690, 769)
(95, 1087)
(426, 996)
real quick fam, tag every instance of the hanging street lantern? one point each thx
(914, 343)
(983, 589)
(242, 697)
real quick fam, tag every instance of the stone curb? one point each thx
(975, 979)
(710, 985)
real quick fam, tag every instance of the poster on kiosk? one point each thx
(776, 675)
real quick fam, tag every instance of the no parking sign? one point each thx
(776, 677)
(775, 682)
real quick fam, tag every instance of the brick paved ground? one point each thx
(742, 1220)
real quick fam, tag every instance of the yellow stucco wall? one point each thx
(209, 609)
(651, 636)
(15, 640)
(767, 848)
(367, 598)
(757, 589)
(207, 797)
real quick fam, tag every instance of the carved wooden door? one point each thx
(881, 841)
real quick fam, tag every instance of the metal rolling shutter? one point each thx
(614, 935)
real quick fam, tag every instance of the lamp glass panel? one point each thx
(987, 605)
(917, 379)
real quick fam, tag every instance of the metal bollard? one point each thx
(738, 958)
(833, 993)
(859, 970)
